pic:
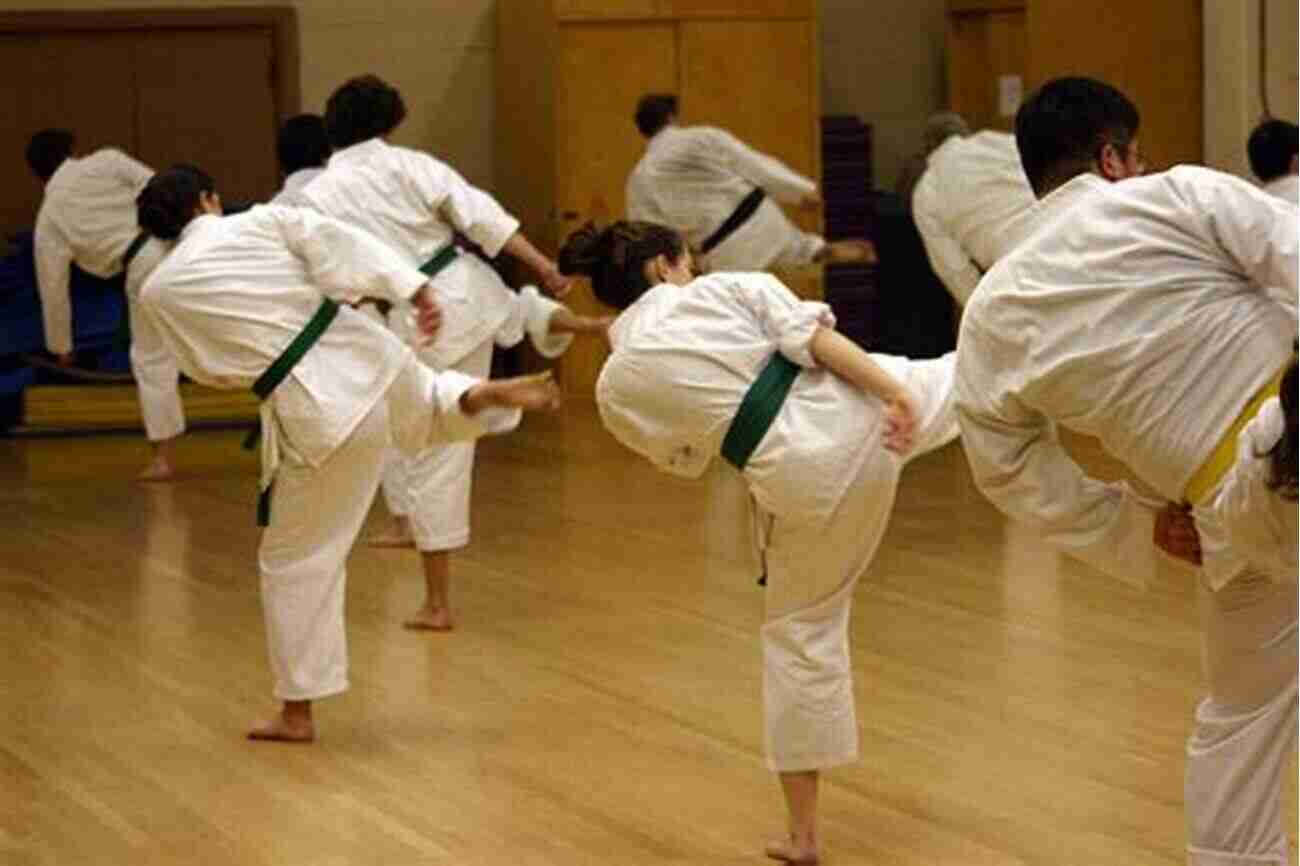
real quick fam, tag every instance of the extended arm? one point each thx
(53, 275)
(771, 175)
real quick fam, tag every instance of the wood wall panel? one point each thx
(981, 49)
(525, 126)
(84, 84)
(755, 79)
(1156, 57)
(206, 97)
(599, 144)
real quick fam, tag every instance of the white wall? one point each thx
(1233, 97)
(883, 60)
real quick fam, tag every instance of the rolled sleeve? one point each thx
(537, 320)
(452, 424)
(789, 321)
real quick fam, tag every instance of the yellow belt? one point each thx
(1202, 484)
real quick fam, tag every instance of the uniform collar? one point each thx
(359, 150)
(63, 167)
(196, 225)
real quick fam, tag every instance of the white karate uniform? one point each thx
(290, 195)
(414, 203)
(972, 206)
(88, 217)
(156, 371)
(228, 300)
(681, 362)
(1255, 519)
(692, 178)
(1286, 187)
(1136, 315)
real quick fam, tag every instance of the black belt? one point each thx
(743, 211)
(123, 338)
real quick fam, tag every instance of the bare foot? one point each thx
(790, 851)
(430, 619)
(850, 252)
(282, 730)
(534, 393)
(157, 470)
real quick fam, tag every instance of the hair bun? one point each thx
(584, 251)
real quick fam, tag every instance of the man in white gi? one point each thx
(416, 204)
(718, 192)
(303, 149)
(252, 301)
(972, 206)
(1272, 149)
(1138, 315)
(87, 217)
(734, 365)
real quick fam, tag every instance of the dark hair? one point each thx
(653, 111)
(303, 143)
(167, 203)
(1283, 458)
(1272, 146)
(614, 257)
(1063, 126)
(361, 109)
(47, 150)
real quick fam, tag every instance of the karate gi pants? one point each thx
(1245, 729)
(432, 488)
(812, 568)
(316, 514)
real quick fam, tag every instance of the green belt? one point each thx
(276, 373)
(443, 257)
(122, 340)
(758, 410)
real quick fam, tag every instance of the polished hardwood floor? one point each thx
(599, 700)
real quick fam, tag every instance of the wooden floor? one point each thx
(599, 702)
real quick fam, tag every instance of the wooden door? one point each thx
(207, 97)
(759, 80)
(986, 66)
(1153, 51)
(601, 73)
(59, 80)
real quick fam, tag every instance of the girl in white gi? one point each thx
(734, 363)
(1140, 314)
(1257, 503)
(416, 204)
(251, 301)
(87, 217)
(718, 192)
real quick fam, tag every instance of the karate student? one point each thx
(1256, 504)
(250, 301)
(734, 364)
(303, 149)
(718, 192)
(415, 204)
(87, 217)
(972, 206)
(1138, 315)
(1272, 148)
